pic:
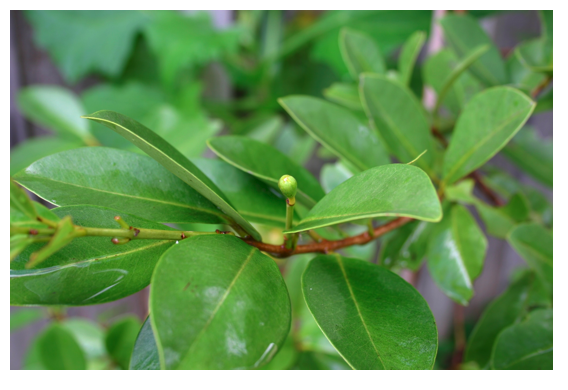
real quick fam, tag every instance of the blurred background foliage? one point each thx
(188, 79)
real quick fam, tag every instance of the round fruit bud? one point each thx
(288, 186)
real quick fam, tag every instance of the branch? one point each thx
(326, 246)
(476, 176)
(539, 88)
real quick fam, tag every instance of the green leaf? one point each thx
(408, 55)
(90, 270)
(19, 219)
(20, 202)
(500, 220)
(21, 318)
(546, 21)
(231, 306)
(532, 154)
(536, 55)
(169, 157)
(534, 243)
(522, 77)
(58, 349)
(372, 316)
(180, 41)
(344, 94)
(117, 179)
(464, 34)
(120, 340)
(90, 337)
(406, 247)
(392, 190)
(436, 72)
(399, 118)
(145, 353)
(95, 41)
(57, 109)
(310, 360)
(266, 163)
(64, 234)
(337, 129)
(526, 345)
(31, 150)
(456, 253)
(332, 175)
(487, 123)
(502, 312)
(360, 53)
(251, 197)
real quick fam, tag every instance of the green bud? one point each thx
(288, 186)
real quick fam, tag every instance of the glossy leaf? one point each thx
(90, 270)
(251, 197)
(436, 72)
(344, 94)
(536, 55)
(20, 202)
(372, 316)
(310, 360)
(522, 77)
(500, 220)
(231, 306)
(532, 154)
(62, 237)
(58, 349)
(456, 252)
(90, 337)
(145, 353)
(526, 345)
(388, 190)
(332, 175)
(399, 118)
(502, 312)
(464, 34)
(408, 55)
(534, 244)
(284, 358)
(337, 129)
(487, 123)
(83, 32)
(31, 150)
(56, 109)
(21, 318)
(117, 179)
(171, 159)
(266, 163)
(120, 340)
(360, 53)
(407, 246)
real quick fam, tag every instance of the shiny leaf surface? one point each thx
(408, 55)
(252, 198)
(407, 246)
(31, 150)
(20, 203)
(145, 353)
(373, 317)
(169, 157)
(266, 163)
(90, 270)
(337, 129)
(487, 123)
(526, 345)
(456, 252)
(360, 53)
(117, 179)
(464, 34)
(384, 191)
(58, 349)
(218, 303)
(399, 118)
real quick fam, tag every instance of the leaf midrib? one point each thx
(222, 216)
(340, 263)
(483, 141)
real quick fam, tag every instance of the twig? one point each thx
(459, 336)
(539, 88)
(328, 246)
(476, 176)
